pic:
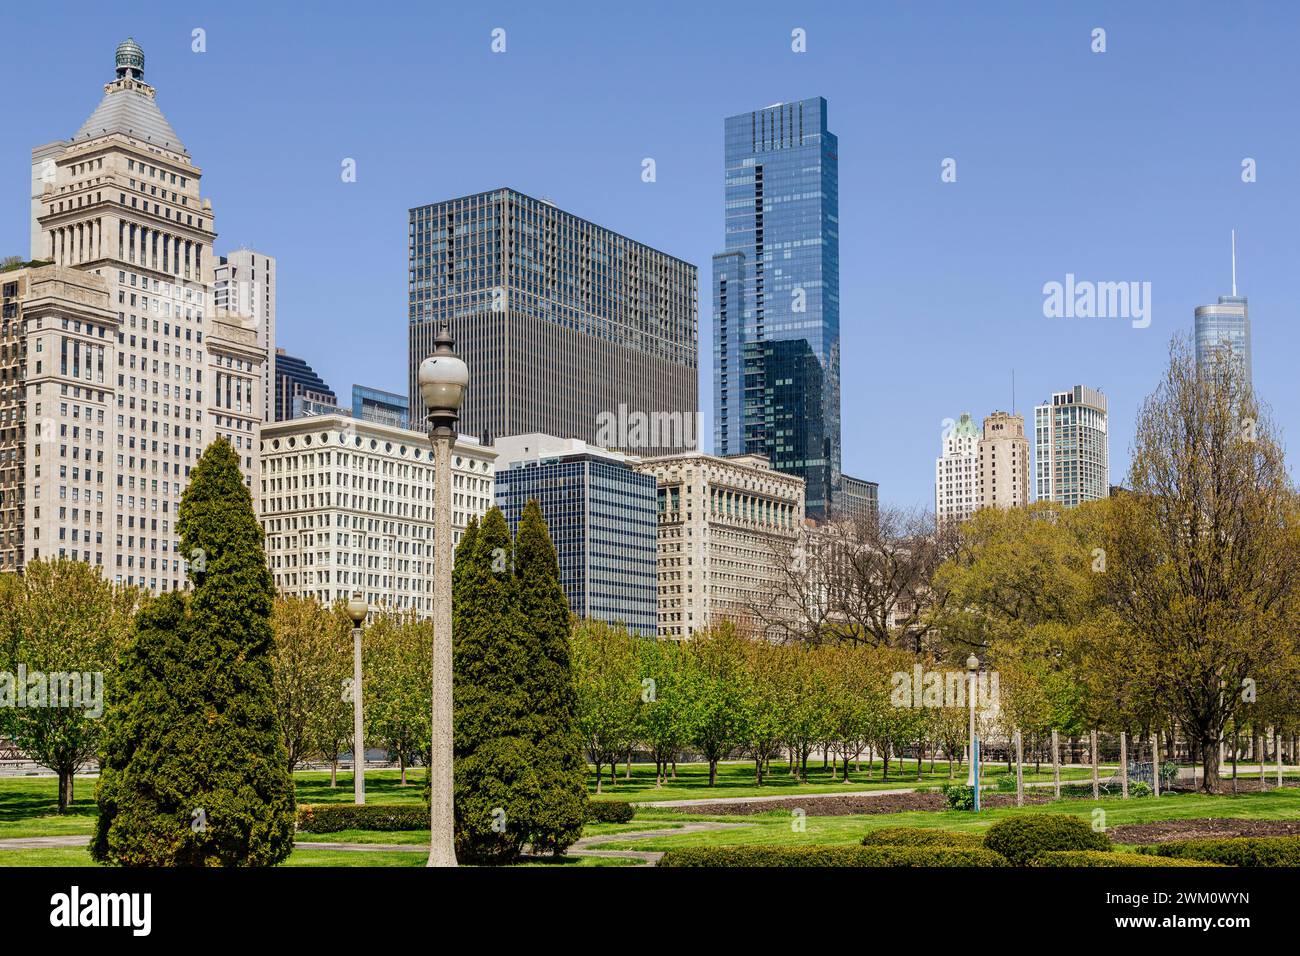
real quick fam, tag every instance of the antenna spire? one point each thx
(1234, 263)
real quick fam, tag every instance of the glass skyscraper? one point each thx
(776, 297)
(1225, 325)
(602, 515)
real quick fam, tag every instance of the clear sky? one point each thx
(1115, 166)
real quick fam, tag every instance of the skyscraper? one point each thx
(1071, 447)
(1003, 462)
(956, 472)
(377, 405)
(602, 517)
(131, 371)
(296, 381)
(244, 283)
(1225, 326)
(564, 324)
(776, 297)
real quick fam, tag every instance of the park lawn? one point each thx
(777, 826)
(382, 786)
(29, 807)
(736, 779)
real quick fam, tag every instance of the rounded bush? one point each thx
(818, 856)
(1022, 838)
(1140, 788)
(921, 836)
(959, 796)
(1236, 851)
(610, 811)
(332, 817)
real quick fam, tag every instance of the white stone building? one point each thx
(347, 505)
(244, 283)
(723, 522)
(956, 472)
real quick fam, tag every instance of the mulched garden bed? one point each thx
(1165, 830)
(845, 806)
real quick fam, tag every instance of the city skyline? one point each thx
(948, 274)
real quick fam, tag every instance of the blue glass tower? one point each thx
(1224, 328)
(776, 297)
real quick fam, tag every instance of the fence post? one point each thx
(1155, 761)
(1020, 771)
(1092, 744)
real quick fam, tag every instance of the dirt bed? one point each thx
(1165, 830)
(846, 806)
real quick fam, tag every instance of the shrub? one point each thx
(921, 836)
(1022, 838)
(332, 817)
(959, 796)
(1007, 783)
(806, 856)
(1106, 858)
(1139, 789)
(610, 811)
(1238, 851)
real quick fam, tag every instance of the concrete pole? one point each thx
(442, 834)
(970, 780)
(358, 728)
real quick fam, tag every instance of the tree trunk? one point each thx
(1236, 745)
(1259, 756)
(334, 772)
(599, 767)
(1277, 743)
(713, 773)
(401, 764)
(758, 771)
(1020, 771)
(920, 758)
(627, 766)
(1155, 762)
(1056, 764)
(1209, 765)
(65, 789)
(674, 766)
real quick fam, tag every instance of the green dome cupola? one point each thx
(130, 60)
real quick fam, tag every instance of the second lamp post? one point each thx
(357, 610)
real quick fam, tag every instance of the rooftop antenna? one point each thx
(1234, 263)
(1013, 391)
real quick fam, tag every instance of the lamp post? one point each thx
(357, 610)
(972, 667)
(443, 379)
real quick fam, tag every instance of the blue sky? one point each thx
(1118, 166)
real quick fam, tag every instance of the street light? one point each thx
(972, 667)
(443, 379)
(357, 610)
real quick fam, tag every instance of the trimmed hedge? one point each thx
(1236, 851)
(1107, 858)
(959, 796)
(921, 836)
(804, 856)
(1022, 838)
(610, 811)
(332, 817)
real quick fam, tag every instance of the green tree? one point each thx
(609, 692)
(65, 626)
(664, 715)
(720, 701)
(397, 653)
(305, 669)
(194, 771)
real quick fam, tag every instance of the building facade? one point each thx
(1071, 447)
(1224, 329)
(347, 505)
(776, 297)
(1003, 462)
(377, 405)
(121, 391)
(602, 516)
(299, 390)
(563, 322)
(724, 523)
(956, 472)
(244, 283)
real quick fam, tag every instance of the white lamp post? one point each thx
(443, 379)
(357, 610)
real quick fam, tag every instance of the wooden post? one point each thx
(1259, 755)
(1056, 764)
(1123, 764)
(1020, 771)
(1092, 745)
(1277, 742)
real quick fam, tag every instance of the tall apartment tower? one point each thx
(1071, 447)
(244, 284)
(956, 472)
(1003, 462)
(776, 297)
(130, 371)
(565, 325)
(1224, 328)
(296, 385)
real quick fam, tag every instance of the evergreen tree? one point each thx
(556, 820)
(194, 770)
(496, 785)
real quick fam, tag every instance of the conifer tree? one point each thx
(194, 770)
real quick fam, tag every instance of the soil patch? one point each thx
(1163, 831)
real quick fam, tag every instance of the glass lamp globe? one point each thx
(358, 608)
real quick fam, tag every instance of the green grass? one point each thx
(736, 779)
(776, 827)
(29, 807)
(382, 786)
